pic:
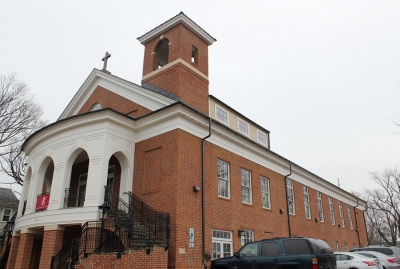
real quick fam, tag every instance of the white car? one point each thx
(387, 262)
(351, 260)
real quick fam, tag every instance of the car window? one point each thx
(296, 246)
(249, 250)
(349, 257)
(386, 251)
(270, 249)
(320, 246)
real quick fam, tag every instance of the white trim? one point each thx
(128, 90)
(180, 18)
(168, 65)
(9, 216)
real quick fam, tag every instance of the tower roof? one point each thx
(180, 18)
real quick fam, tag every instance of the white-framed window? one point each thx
(6, 214)
(221, 115)
(350, 218)
(320, 207)
(81, 192)
(336, 245)
(307, 208)
(290, 198)
(221, 244)
(246, 185)
(346, 247)
(248, 236)
(341, 214)
(331, 211)
(243, 127)
(265, 192)
(261, 138)
(223, 179)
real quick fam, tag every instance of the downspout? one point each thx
(203, 218)
(287, 204)
(355, 216)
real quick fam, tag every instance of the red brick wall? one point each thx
(137, 259)
(179, 79)
(109, 99)
(181, 40)
(52, 243)
(24, 251)
(178, 169)
(12, 258)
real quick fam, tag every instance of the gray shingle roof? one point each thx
(8, 198)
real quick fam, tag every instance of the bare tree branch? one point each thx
(19, 117)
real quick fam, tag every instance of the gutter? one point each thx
(203, 218)
(287, 203)
(357, 230)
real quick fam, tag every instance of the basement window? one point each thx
(195, 57)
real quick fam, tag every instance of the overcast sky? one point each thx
(322, 76)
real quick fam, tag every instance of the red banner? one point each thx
(42, 201)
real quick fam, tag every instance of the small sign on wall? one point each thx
(191, 237)
(242, 240)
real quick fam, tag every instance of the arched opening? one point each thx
(113, 182)
(161, 54)
(45, 180)
(76, 192)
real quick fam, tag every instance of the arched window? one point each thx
(161, 54)
(96, 106)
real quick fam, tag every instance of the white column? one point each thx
(57, 187)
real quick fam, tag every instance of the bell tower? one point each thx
(176, 60)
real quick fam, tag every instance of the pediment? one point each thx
(144, 97)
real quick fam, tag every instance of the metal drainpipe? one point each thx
(355, 216)
(287, 204)
(203, 218)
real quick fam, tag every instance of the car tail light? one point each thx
(369, 263)
(392, 260)
(314, 263)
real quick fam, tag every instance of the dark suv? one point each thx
(280, 253)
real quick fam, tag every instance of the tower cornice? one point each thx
(180, 18)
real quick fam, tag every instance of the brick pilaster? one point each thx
(12, 258)
(24, 250)
(52, 243)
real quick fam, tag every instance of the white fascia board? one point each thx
(181, 18)
(306, 178)
(65, 216)
(88, 120)
(130, 91)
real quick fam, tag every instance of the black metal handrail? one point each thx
(72, 198)
(7, 230)
(125, 227)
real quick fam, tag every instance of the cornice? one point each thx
(176, 62)
(180, 18)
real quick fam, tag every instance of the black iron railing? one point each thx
(24, 208)
(7, 230)
(74, 197)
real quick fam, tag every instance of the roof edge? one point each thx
(180, 18)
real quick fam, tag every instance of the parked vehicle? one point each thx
(348, 260)
(387, 262)
(293, 253)
(388, 250)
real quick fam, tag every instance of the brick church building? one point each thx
(163, 174)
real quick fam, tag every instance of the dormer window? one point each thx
(161, 54)
(96, 106)
(261, 138)
(221, 115)
(195, 58)
(243, 127)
